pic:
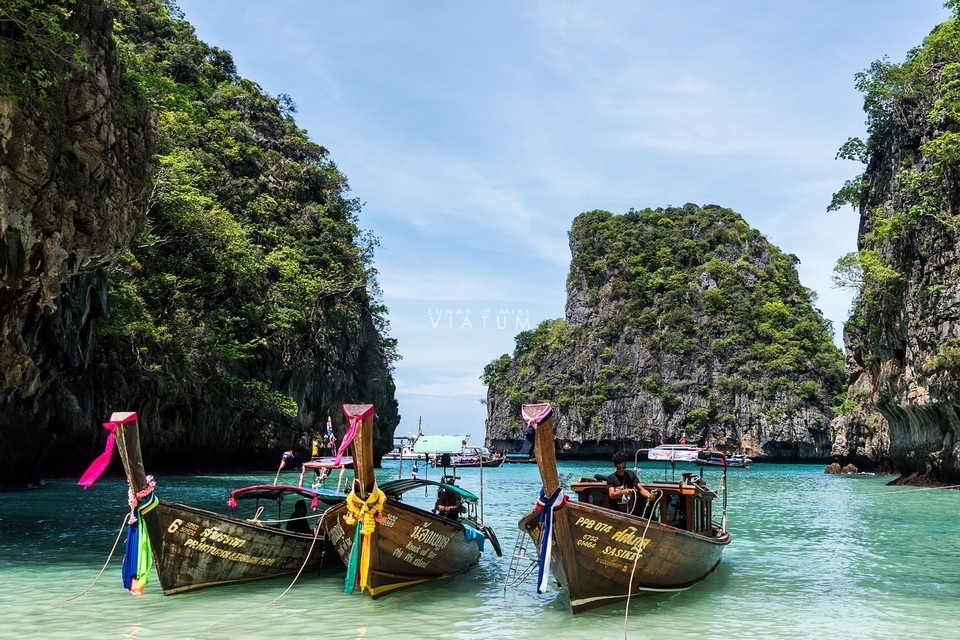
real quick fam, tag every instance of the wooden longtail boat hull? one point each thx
(595, 555)
(602, 556)
(194, 548)
(409, 547)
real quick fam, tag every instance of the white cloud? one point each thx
(475, 133)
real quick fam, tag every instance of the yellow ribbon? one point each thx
(368, 512)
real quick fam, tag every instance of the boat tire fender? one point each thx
(492, 537)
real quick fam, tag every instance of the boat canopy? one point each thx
(329, 462)
(396, 488)
(440, 444)
(278, 492)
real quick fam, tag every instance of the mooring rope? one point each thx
(306, 560)
(316, 532)
(656, 493)
(109, 557)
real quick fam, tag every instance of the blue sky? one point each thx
(474, 132)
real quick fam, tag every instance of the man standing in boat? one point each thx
(622, 485)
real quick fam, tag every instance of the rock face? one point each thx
(76, 178)
(903, 340)
(73, 180)
(680, 323)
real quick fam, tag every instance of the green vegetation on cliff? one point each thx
(251, 266)
(902, 338)
(681, 310)
(36, 49)
(912, 159)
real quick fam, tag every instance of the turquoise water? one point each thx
(812, 556)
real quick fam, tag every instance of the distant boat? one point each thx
(403, 450)
(602, 555)
(388, 544)
(525, 455)
(468, 457)
(194, 548)
(403, 446)
(717, 459)
(674, 453)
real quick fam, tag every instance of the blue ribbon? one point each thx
(546, 534)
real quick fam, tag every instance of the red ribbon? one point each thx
(352, 431)
(103, 460)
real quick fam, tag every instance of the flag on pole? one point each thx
(287, 455)
(331, 439)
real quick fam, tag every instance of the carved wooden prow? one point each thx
(128, 443)
(362, 445)
(543, 444)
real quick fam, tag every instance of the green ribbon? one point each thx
(351, 580)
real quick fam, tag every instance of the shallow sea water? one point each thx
(812, 556)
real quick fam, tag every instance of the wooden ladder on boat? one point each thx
(521, 563)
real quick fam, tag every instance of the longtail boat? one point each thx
(602, 555)
(194, 548)
(388, 544)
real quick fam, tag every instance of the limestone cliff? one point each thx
(680, 323)
(903, 339)
(73, 180)
(173, 244)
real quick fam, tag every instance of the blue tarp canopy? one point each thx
(440, 444)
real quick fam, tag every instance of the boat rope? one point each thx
(316, 533)
(546, 505)
(626, 613)
(365, 514)
(123, 525)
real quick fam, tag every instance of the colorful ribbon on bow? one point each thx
(137, 556)
(100, 464)
(546, 506)
(534, 414)
(365, 514)
(355, 421)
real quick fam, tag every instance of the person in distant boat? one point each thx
(623, 484)
(298, 520)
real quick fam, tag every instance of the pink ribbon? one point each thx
(352, 430)
(98, 466)
(533, 414)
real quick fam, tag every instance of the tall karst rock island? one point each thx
(172, 244)
(681, 323)
(686, 322)
(903, 338)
